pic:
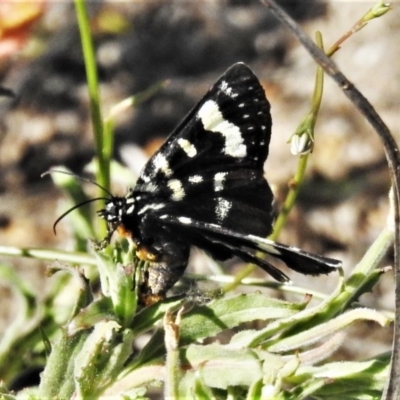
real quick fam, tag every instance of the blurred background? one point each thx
(344, 203)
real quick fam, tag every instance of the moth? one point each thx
(205, 187)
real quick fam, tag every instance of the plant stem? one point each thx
(103, 147)
(48, 255)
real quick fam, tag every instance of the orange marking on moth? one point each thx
(143, 254)
(124, 232)
(150, 299)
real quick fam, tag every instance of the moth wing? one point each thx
(242, 245)
(230, 128)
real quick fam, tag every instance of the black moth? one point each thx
(205, 187)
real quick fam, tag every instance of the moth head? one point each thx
(114, 211)
(116, 208)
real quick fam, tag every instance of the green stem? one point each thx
(291, 197)
(48, 255)
(379, 9)
(307, 125)
(103, 153)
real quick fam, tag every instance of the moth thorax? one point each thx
(129, 204)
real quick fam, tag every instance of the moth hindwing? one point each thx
(205, 187)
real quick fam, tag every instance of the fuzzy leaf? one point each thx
(346, 380)
(148, 317)
(319, 332)
(226, 313)
(94, 357)
(220, 367)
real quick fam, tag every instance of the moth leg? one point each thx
(162, 273)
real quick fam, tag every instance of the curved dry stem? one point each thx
(392, 390)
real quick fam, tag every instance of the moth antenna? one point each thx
(74, 208)
(81, 178)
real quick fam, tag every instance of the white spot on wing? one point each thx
(177, 189)
(153, 206)
(219, 179)
(224, 87)
(187, 147)
(160, 163)
(185, 220)
(222, 209)
(213, 121)
(145, 178)
(195, 179)
(150, 187)
(266, 244)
